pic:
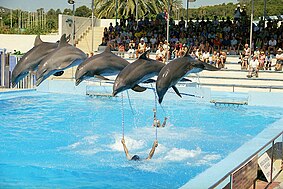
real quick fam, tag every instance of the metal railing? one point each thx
(234, 86)
(7, 64)
(272, 150)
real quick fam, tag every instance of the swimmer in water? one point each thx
(136, 157)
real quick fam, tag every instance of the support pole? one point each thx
(92, 18)
(251, 29)
(167, 35)
(3, 59)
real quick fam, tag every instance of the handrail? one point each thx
(238, 78)
(238, 70)
(242, 86)
(244, 162)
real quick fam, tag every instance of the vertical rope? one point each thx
(122, 109)
(130, 103)
(155, 106)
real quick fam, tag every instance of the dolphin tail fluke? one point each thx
(138, 88)
(210, 67)
(59, 73)
(101, 77)
(176, 91)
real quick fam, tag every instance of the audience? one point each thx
(201, 37)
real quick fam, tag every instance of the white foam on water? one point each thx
(86, 146)
(131, 144)
(176, 154)
(207, 159)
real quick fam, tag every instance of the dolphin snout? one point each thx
(114, 93)
(78, 81)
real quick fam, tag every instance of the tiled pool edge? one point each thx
(219, 170)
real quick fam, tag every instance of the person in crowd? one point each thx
(261, 60)
(234, 43)
(226, 44)
(141, 48)
(166, 48)
(215, 58)
(253, 67)
(222, 56)
(279, 60)
(160, 54)
(131, 50)
(268, 62)
(177, 48)
(272, 45)
(205, 56)
(121, 49)
(153, 42)
(246, 56)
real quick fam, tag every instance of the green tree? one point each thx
(107, 8)
(83, 11)
(67, 12)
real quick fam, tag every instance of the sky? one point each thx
(32, 5)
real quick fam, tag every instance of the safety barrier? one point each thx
(234, 86)
(7, 64)
(264, 164)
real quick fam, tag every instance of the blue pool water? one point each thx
(68, 141)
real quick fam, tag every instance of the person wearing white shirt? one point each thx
(279, 60)
(153, 42)
(160, 54)
(205, 56)
(272, 45)
(253, 67)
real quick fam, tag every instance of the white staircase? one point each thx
(84, 43)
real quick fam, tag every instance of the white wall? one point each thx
(22, 43)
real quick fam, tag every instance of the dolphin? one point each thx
(63, 57)
(137, 72)
(103, 64)
(30, 61)
(177, 69)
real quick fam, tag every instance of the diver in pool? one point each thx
(136, 157)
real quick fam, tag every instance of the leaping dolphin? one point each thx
(137, 72)
(30, 61)
(104, 64)
(175, 70)
(63, 57)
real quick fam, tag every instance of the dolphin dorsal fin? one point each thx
(107, 49)
(63, 41)
(187, 53)
(37, 40)
(143, 56)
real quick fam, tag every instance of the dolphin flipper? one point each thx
(176, 91)
(185, 79)
(58, 73)
(101, 77)
(149, 81)
(210, 67)
(138, 88)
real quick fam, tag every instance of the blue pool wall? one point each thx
(68, 87)
(202, 93)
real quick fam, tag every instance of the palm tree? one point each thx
(107, 8)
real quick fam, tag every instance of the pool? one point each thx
(73, 141)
